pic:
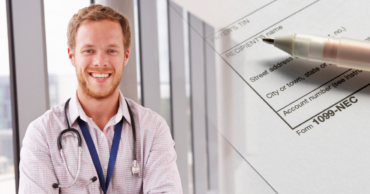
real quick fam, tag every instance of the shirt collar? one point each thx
(75, 110)
(122, 110)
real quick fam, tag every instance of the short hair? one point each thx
(96, 13)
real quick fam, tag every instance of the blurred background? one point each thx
(167, 72)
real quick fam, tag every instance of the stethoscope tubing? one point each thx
(60, 147)
(78, 170)
(135, 167)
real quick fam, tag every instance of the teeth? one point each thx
(100, 75)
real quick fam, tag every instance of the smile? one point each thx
(100, 75)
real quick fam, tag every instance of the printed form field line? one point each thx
(270, 26)
(332, 105)
(241, 18)
(314, 90)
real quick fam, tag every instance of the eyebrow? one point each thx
(87, 45)
(113, 45)
(90, 45)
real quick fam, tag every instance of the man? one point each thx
(98, 47)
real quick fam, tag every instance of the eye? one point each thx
(88, 51)
(112, 51)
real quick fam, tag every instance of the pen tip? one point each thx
(268, 40)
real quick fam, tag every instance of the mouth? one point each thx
(100, 77)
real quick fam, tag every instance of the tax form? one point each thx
(303, 126)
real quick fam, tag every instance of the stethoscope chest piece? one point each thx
(135, 168)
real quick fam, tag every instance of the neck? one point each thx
(102, 110)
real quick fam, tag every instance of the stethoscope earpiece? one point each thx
(55, 185)
(94, 179)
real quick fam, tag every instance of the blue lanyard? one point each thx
(94, 154)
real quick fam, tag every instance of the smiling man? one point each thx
(99, 141)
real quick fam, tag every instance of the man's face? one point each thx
(99, 58)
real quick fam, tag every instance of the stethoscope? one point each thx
(135, 168)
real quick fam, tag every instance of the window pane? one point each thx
(62, 76)
(164, 66)
(137, 47)
(188, 102)
(7, 179)
(164, 63)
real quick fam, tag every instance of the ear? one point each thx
(71, 56)
(127, 54)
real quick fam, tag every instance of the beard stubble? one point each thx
(87, 90)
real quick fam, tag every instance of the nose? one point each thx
(100, 59)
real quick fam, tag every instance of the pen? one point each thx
(343, 52)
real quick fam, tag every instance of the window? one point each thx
(164, 63)
(7, 178)
(62, 76)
